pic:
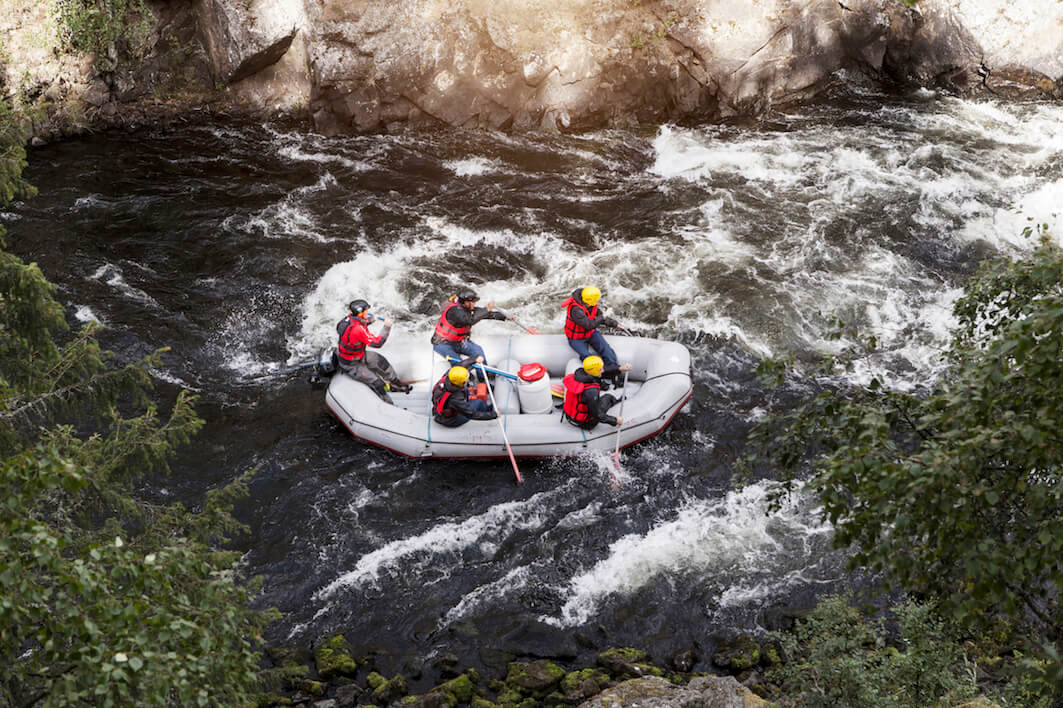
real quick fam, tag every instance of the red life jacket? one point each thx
(351, 346)
(448, 331)
(575, 407)
(573, 330)
(440, 395)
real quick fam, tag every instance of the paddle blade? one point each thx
(532, 330)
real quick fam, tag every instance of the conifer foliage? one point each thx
(105, 599)
(954, 492)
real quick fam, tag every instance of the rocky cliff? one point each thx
(371, 65)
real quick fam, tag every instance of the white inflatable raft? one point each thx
(659, 384)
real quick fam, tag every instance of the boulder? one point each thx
(333, 658)
(654, 692)
(244, 37)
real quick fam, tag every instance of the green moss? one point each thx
(312, 688)
(390, 690)
(478, 702)
(625, 654)
(271, 700)
(461, 687)
(510, 696)
(375, 680)
(536, 678)
(333, 658)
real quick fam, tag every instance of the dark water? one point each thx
(238, 245)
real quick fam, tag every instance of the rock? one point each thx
(536, 679)
(578, 686)
(683, 660)
(333, 658)
(446, 665)
(626, 663)
(327, 703)
(347, 695)
(389, 690)
(654, 692)
(243, 37)
(739, 655)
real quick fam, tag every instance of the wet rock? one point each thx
(626, 662)
(578, 686)
(741, 654)
(536, 679)
(683, 660)
(347, 695)
(387, 690)
(333, 658)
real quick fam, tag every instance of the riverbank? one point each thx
(580, 66)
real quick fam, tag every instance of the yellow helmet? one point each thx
(458, 375)
(593, 365)
(590, 295)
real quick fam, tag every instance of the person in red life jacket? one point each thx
(370, 368)
(451, 336)
(584, 405)
(450, 398)
(582, 319)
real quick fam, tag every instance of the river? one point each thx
(238, 245)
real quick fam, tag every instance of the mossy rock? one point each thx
(375, 680)
(432, 699)
(578, 686)
(510, 696)
(461, 687)
(288, 656)
(740, 655)
(770, 654)
(315, 689)
(333, 658)
(625, 661)
(536, 678)
(271, 700)
(391, 690)
(480, 702)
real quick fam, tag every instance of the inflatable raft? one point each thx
(528, 397)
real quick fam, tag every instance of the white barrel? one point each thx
(533, 388)
(505, 389)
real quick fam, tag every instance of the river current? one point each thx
(238, 245)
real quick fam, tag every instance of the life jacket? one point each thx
(575, 407)
(448, 331)
(440, 396)
(349, 348)
(573, 330)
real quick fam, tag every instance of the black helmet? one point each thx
(357, 307)
(466, 294)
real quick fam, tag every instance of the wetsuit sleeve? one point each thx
(482, 313)
(460, 317)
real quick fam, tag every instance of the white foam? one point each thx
(485, 594)
(84, 313)
(112, 275)
(472, 166)
(444, 539)
(711, 539)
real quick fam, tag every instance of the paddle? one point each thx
(496, 372)
(616, 452)
(529, 330)
(516, 470)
